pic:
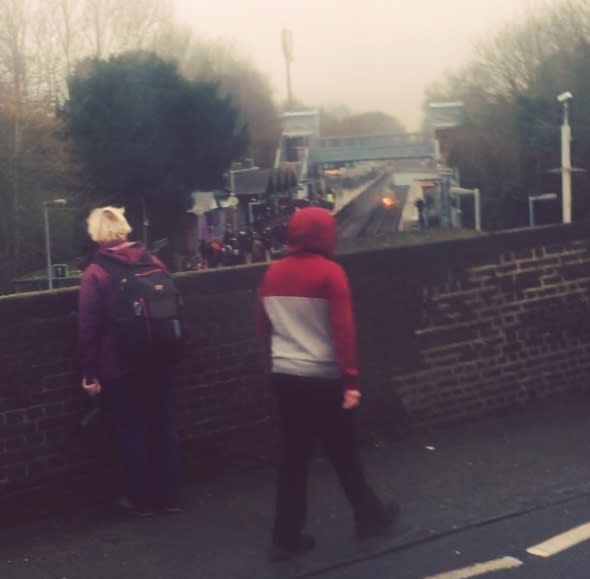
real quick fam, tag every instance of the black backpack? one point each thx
(145, 311)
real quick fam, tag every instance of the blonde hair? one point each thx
(108, 224)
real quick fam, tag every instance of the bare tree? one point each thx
(512, 117)
(138, 22)
(14, 14)
(112, 26)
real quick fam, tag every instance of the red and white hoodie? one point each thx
(304, 312)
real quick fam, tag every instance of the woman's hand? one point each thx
(352, 398)
(91, 386)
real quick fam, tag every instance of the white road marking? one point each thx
(561, 542)
(480, 569)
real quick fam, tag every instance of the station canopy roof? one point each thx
(251, 182)
(205, 201)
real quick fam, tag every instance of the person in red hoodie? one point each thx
(139, 400)
(305, 319)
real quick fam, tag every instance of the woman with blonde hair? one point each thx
(137, 394)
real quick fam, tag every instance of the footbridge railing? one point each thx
(368, 148)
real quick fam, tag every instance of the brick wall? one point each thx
(470, 327)
(447, 332)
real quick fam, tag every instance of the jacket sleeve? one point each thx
(158, 262)
(342, 327)
(263, 325)
(92, 312)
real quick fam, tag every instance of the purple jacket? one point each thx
(98, 357)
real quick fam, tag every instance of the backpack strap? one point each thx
(119, 269)
(114, 268)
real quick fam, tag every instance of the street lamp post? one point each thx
(566, 165)
(233, 203)
(287, 38)
(46, 206)
(533, 198)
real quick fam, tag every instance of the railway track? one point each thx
(385, 219)
(367, 216)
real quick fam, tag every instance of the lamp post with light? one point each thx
(46, 206)
(566, 165)
(287, 38)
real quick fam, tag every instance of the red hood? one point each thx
(312, 230)
(128, 252)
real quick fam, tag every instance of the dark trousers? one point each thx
(310, 409)
(141, 407)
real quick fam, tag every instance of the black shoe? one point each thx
(126, 506)
(380, 527)
(174, 509)
(169, 506)
(304, 544)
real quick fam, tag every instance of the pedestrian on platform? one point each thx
(420, 207)
(330, 199)
(137, 393)
(305, 319)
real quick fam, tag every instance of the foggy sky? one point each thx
(366, 54)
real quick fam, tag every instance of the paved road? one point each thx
(515, 465)
(501, 545)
